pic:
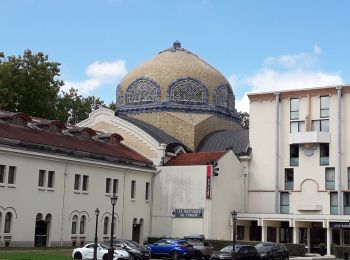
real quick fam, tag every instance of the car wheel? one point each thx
(175, 255)
(78, 255)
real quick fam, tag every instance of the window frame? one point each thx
(324, 151)
(293, 159)
(284, 208)
(333, 206)
(294, 114)
(147, 191)
(11, 178)
(51, 179)
(77, 180)
(324, 109)
(8, 223)
(41, 180)
(288, 185)
(329, 182)
(2, 174)
(133, 189)
(85, 183)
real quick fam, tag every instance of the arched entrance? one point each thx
(42, 228)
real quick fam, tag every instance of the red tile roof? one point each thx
(40, 137)
(194, 158)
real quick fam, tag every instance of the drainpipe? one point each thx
(277, 152)
(63, 200)
(339, 150)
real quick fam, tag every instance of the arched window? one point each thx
(8, 220)
(142, 91)
(119, 96)
(188, 91)
(82, 224)
(225, 97)
(74, 224)
(105, 225)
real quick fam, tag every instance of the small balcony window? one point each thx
(330, 178)
(289, 179)
(324, 106)
(297, 126)
(334, 203)
(324, 154)
(320, 125)
(294, 108)
(294, 155)
(346, 200)
(284, 203)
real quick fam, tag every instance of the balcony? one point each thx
(314, 137)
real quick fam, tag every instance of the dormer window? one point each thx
(20, 121)
(55, 128)
(86, 135)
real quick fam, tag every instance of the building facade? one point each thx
(52, 179)
(299, 166)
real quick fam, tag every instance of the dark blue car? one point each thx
(174, 248)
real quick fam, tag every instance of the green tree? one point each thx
(73, 108)
(244, 119)
(28, 84)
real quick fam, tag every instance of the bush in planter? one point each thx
(340, 250)
(323, 249)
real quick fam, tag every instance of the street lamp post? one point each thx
(234, 224)
(114, 199)
(97, 212)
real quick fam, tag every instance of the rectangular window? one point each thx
(346, 199)
(349, 178)
(334, 203)
(330, 178)
(77, 182)
(320, 125)
(2, 173)
(108, 185)
(133, 189)
(324, 154)
(115, 186)
(294, 108)
(41, 180)
(147, 190)
(294, 155)
(12, 175)
(324, 106)
(284, 203)
(85, 182)
(50, 179)
(289, 179)
(297, 126)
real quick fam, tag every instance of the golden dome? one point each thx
(176, 80)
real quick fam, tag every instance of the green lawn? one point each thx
(35, 254)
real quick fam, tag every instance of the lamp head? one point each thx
(114, 199)
(234, 215)
(97, 212)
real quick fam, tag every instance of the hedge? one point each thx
(340, 250)
(294, 249)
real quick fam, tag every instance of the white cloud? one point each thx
(84, 87)
(107, 71)
(99, 73)
(287, 72)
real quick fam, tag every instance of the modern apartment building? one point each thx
(299, 171)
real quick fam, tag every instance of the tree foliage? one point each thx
(244, 119)
(30, 84)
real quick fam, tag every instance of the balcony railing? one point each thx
(313, 137)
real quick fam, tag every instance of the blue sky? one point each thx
(259, 45)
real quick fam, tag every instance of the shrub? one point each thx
(340, 250)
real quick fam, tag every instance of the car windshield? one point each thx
(227, 249)
(104, 246)
(131, 243)
(264, 247)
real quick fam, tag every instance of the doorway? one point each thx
(136, 231)
(42, 227)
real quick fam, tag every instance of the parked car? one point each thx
(135, 250)
(269, 250)
(202, 248)
(174, 248)
(242, 252)
(87, 252)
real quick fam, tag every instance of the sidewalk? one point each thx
(314, 257)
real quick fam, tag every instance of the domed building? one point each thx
(179, 93)
(179, 112)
